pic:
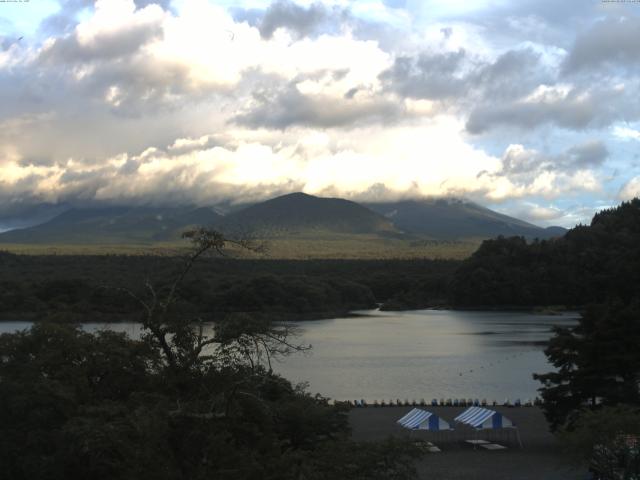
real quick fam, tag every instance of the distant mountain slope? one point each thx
(454, 218)
(297, 212)
(114, 225)
(295, 215)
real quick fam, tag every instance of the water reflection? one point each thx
(418, 354)
(426, 354)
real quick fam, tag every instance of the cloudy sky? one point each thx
(530, 107)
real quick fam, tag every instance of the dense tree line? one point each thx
(592, 398)
(588, 265)
(78, 288)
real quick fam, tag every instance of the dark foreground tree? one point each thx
(592, 400)
(181, 403)
(597, 363)
(608, 440)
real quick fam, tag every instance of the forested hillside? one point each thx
(589, 264)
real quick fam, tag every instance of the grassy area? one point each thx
(161, 249)
(368, 247)
(294, 247)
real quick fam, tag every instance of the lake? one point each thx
(416, 354)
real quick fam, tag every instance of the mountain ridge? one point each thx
(447, 218)
(288, 215)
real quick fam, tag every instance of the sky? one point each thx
(528, 107)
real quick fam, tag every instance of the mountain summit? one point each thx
(299, 212)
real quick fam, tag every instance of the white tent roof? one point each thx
(418, 419)
(483, 418)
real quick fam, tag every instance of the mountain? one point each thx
(299, 212)
(29, 216)
(296, 216)
(455, 218)
(114, 225)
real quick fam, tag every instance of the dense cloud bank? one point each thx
(162, 102)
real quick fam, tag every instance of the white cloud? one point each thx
(626, 133)
(538, 212)
(526, 172)
(331, 108)
(631, 189)
(429, 157)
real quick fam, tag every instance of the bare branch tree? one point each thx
(240, 339)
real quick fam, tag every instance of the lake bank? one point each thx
(412, 355)
(115, 318)
(102, 318)
(540, 457)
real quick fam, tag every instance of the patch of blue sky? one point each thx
(23, 18)
(84, 14)
(178, 5)
(565, 211)
(443, 9)
(379, 11)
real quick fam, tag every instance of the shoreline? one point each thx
(101, 317)
(540, 458)
(541, 309)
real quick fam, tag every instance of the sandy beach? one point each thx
(539, 459)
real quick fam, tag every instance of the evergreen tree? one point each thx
(597, 362)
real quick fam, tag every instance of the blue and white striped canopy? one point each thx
(482, 418)
(418, 419)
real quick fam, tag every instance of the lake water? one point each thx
(417, 354)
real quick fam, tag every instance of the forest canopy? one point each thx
(589, 264)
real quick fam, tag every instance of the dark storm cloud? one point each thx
(106, 46)
(318, 19)
(511, 75)
(579, 109)
(287, 107)
(587, 155)
(570, 113)
(464, 80)
(457, 74)
(428, 76)
(521, 164)
(300, 20)
(612, 41)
